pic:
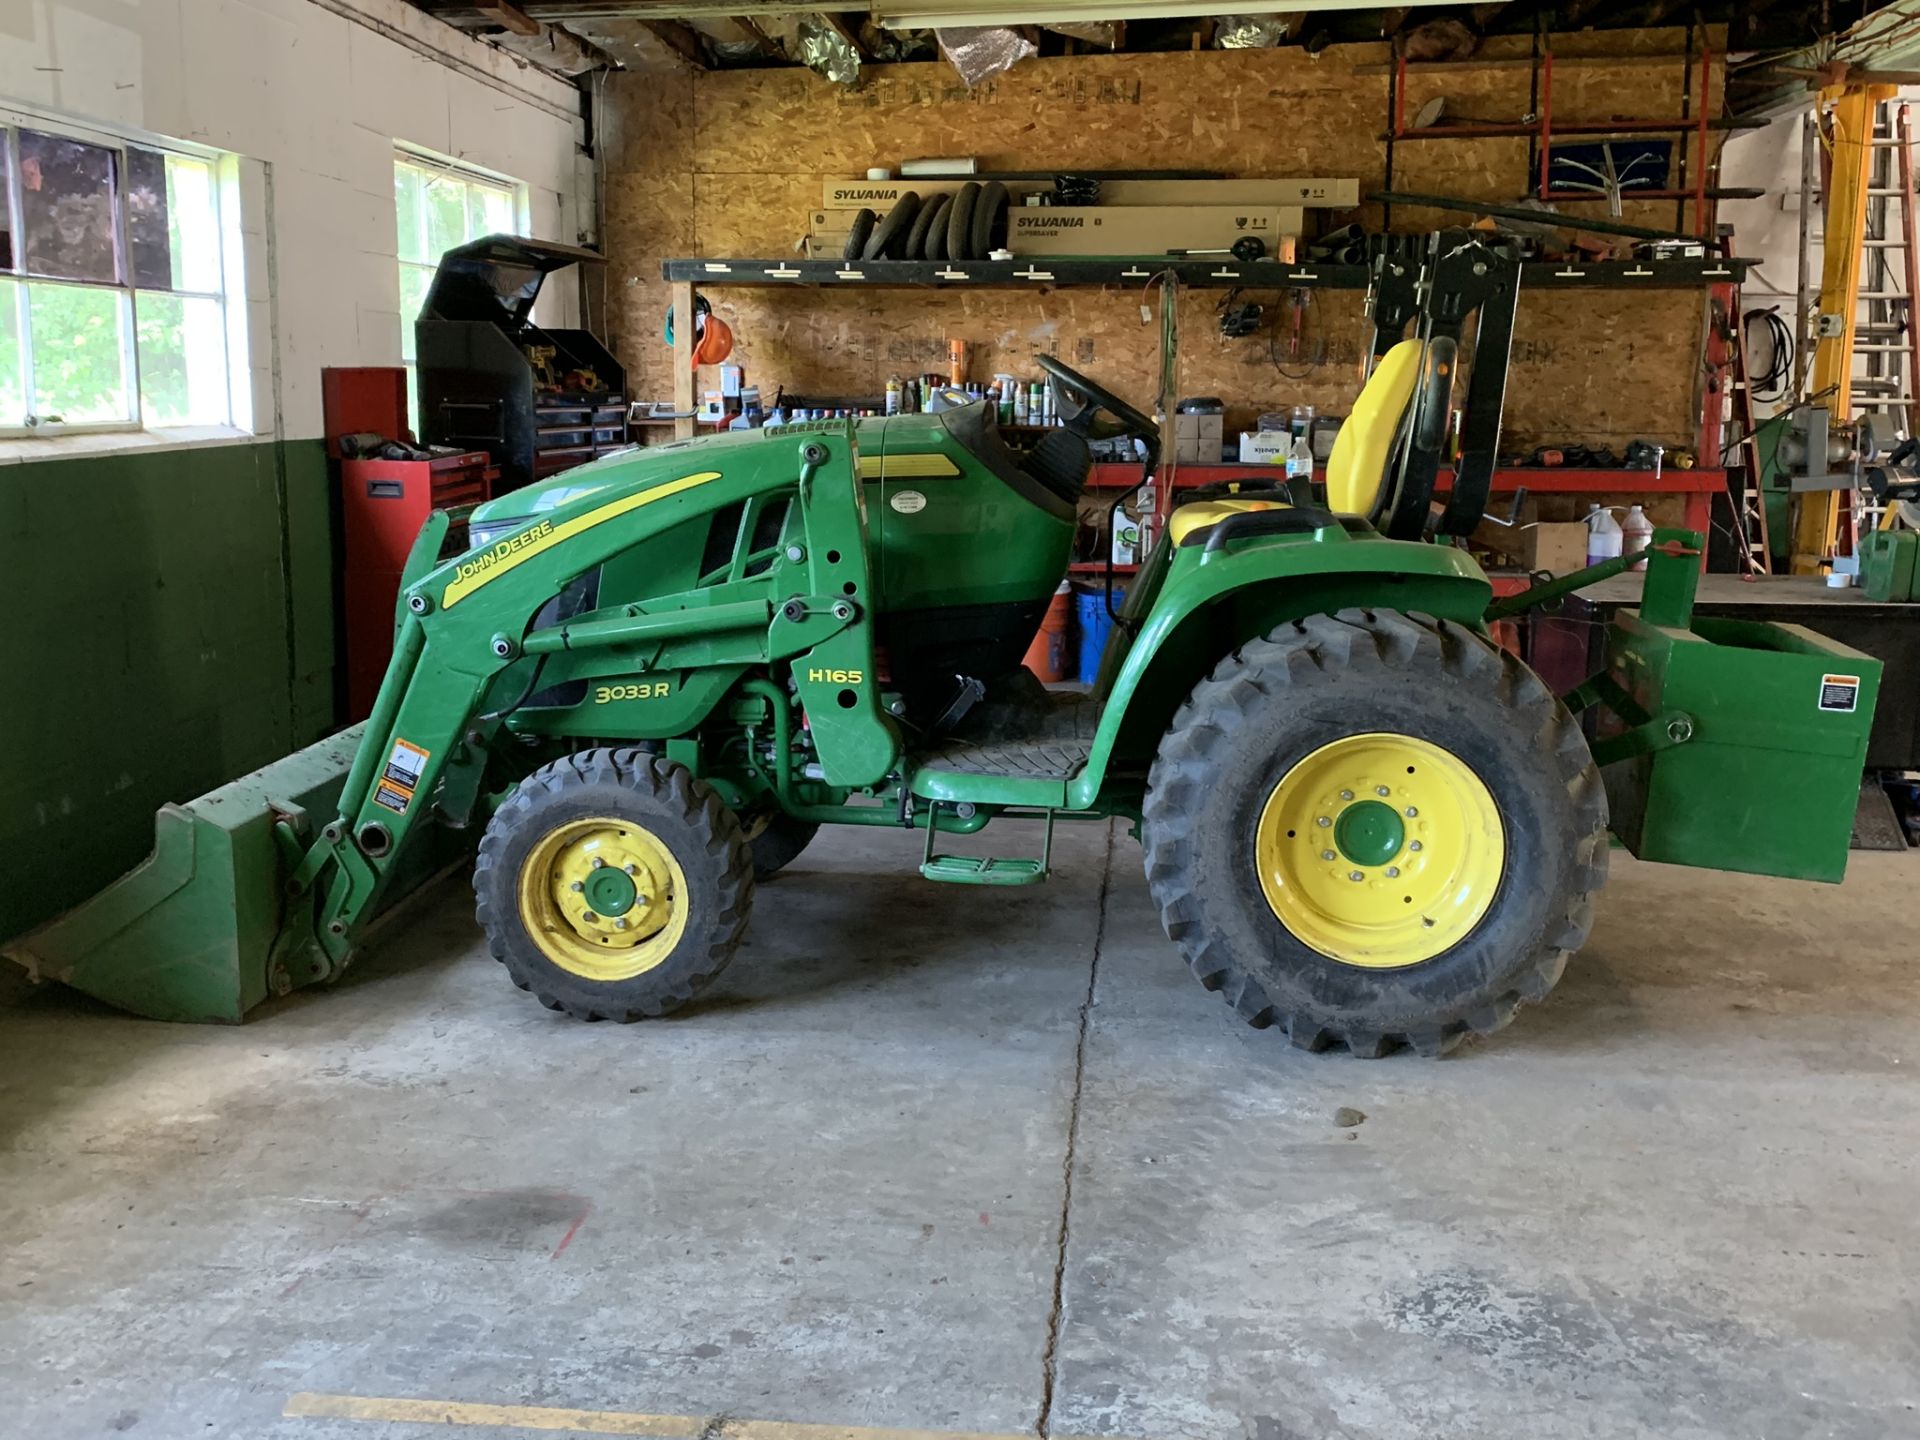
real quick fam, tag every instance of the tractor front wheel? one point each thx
(1377, 829)
(777, 839)
(613, 885)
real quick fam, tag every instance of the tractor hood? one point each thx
(506, 512)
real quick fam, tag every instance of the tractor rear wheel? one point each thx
(776, 840)
(613, 885)
(1377, 829)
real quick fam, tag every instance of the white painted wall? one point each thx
(314, 94)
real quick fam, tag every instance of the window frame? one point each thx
(14, 119)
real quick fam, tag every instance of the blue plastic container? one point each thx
(1095, 625)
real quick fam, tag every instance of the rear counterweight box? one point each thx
(1755, 746)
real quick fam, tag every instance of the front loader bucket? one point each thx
(190, 932)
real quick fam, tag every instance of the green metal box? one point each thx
(1748, 752)
(1890, 564)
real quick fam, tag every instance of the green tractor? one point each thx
(648, 684)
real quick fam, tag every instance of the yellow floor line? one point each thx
(310, 1406)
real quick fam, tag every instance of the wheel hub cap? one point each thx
(1369, 833)
(1380, 850)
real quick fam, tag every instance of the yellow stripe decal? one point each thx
(311, 1406)
(906, 467)
(517, 549)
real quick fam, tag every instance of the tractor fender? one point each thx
(1204, 609)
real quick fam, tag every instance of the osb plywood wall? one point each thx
(729, 165)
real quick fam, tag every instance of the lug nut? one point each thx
(1326, 855)
(1411, 812)
(1346, 794)
(1355, 876)
(620, 924)
(632, 869)
(589, 917)
(1323, 822)
(1414, 846)
(1381, 790)
(578, 887)
(598, 863)
(1393, 872)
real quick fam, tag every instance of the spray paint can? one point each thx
(893, 394)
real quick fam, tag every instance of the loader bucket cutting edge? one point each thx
(190, 933)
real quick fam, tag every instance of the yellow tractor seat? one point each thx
(1191, 519)
(1358, 466)
(1363, 450)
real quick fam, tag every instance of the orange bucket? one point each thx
(1047, 655)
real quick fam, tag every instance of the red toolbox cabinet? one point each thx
(383, 504)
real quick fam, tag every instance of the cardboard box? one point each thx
(1556, 545)
(1145, 229)
(880, 195)
(1265, 447)
(1326, 194)
(1197, 438)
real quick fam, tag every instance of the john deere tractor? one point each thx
(645, 688)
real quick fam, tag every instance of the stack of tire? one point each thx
(966, 225)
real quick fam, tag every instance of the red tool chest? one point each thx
(383, 505)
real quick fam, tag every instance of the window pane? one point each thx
(415, 280)
(409, 193)
(489, 212)
(66, 204)
(183, 360)
(13, 395)
(446, 216)
(79, 360)
(173, 225)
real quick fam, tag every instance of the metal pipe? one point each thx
(664, 625)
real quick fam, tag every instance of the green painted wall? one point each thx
(168, 625)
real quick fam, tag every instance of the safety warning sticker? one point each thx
(1840, 692)
(405, 766)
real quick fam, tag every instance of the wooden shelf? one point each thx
(1099, 567)
(1222, 274)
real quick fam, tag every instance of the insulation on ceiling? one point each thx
(981, 52)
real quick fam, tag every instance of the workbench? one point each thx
(1890, 632)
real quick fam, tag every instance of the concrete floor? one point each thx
(1678, 1200)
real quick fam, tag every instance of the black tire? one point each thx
(989, 215)
(779, 844)
(960, 222)
(1279, 699)
(885, 241)
(934, 247)
(682, 814)
(857, 236)
(914, 247)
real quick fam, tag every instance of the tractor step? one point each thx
(985, 869)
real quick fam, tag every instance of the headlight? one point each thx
(482, 534)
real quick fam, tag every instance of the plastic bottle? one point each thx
(1604, 536)
(893, 395)
(1300, 458)
(1302, 421)
(1019, 403)
(1636, 533)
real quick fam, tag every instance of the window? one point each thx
(441, 205)
(113, 262)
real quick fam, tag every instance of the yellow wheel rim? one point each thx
(1380, 850)
(604, 899)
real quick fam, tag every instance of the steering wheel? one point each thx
(1088, 398)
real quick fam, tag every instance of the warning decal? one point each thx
(405, 766)
(1840, 692)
